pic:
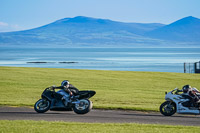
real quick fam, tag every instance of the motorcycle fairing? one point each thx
(57, 105)
(86, 94)
(178, 100)
(48, 94)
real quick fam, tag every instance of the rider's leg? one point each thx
(65, 98)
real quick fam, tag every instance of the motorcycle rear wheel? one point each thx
(168, 108)
(42, 105)
(83, 107)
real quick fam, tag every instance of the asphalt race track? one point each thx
(98, 116)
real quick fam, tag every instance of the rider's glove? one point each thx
(52, 87)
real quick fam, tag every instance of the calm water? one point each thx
(125, 59)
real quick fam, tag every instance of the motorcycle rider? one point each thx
(196, 91)
(192, 92)
(67, 91)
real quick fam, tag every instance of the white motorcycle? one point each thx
(178, 103)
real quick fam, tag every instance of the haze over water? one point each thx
(123, 59)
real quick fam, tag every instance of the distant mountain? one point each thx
(84, 31)
(183, 30)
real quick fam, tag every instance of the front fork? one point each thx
(169, 106)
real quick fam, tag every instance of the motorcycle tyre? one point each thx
(86, 110)
(44, 110)
(165, 113)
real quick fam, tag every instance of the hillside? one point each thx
(186, 29)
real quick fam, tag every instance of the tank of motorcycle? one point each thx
(172, 97)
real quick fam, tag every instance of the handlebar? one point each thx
(176, 91)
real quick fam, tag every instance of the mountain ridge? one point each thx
(185, 29)
(86, 31)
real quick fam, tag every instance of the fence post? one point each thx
(189, 68)
(184, 67)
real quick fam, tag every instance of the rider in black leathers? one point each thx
(67, 91)
(193, 93)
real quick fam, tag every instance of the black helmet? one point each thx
(186, 88)
(64, 83)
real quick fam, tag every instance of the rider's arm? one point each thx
(177, 92)
(67, 90)
(64, 88)
(58, 87)
(71, 87)
(196, 90)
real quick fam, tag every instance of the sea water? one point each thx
(122, 59)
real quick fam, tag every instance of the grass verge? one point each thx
(131, 90)
(25, 126)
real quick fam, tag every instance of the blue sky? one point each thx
(27, 14)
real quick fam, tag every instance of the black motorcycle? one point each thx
(51, 100)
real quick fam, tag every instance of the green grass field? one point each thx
(64, 127)
(115, 89)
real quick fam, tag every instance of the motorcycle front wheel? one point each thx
(84, 106)
(168, 108)
(42, 105)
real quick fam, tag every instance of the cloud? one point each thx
(5, 27)
(3, 24)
